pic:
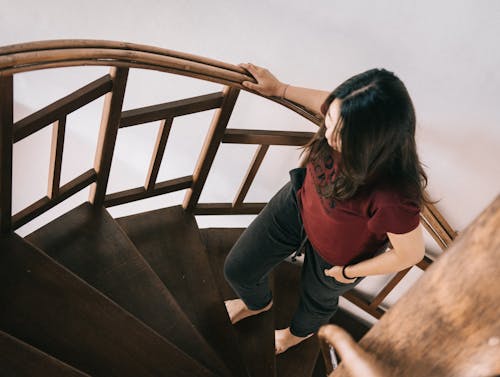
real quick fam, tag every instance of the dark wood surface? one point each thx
(239, 136)
(56, 153)
(210, 147)
(255, 334)
(354, 326)
(298, 360)
(89, 242)
(158, 152)
(250, 175)
(43, 205)
(62, 107)
(228, 209)
(22, 360)
(171, 109)
(6, 132)
(50, 308)
(170, 241)
(139, 193)
(110, 123)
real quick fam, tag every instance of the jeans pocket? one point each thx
(297, 177)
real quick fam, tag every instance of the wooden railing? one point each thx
(121, 57)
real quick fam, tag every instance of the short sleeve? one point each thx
(394, 218)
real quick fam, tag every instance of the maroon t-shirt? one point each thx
(352, 230)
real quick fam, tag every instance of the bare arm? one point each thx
(269, 85)
(408, 249)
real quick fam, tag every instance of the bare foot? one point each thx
(284, 339)
(237, 310)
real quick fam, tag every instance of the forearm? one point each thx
(385, 263)
(309, 98)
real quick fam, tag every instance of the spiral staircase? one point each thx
(143, 295)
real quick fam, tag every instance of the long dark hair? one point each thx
(376, 129)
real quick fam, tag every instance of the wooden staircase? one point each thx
(139, 295)
(143, 295)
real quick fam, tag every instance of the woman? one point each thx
(362, 187)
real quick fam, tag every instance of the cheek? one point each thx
(328, 134)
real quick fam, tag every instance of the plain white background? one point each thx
(446, 52)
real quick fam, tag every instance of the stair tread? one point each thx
(170, 241)
(18, 358)
(256, 334)
(352, 325)
(52, 309)
(299, 360)
(92, 245)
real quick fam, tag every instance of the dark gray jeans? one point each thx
(271, 237)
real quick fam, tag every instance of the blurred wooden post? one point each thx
(6, 126)
(110, 123)
(447, 324)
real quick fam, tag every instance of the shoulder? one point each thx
(391, 210)
(389, 195)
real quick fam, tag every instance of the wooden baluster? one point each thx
(110, 123)
(388, 288)
(433, 233)
(210, 147)
(250, 176)
(442, 221)
(161, 142)
(436, 226)
(58, 132)
(6, 132)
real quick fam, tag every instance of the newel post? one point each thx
(6, 140)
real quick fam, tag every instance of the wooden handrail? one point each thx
(31, 56)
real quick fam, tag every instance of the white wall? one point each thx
(446, 52)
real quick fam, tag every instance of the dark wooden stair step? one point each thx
(20, 359)
(50, 308)
(92, 245)
(353, 325)
(256, 334)
(170, 241)
(299, 360)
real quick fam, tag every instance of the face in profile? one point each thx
(332, 125)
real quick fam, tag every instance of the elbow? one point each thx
(412, 257)
(417, 257)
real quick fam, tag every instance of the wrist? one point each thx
(346, 274)
(282, 89)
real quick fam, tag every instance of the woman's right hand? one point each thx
(267, 83)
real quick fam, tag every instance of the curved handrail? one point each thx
(120, 56)
(25, 57)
